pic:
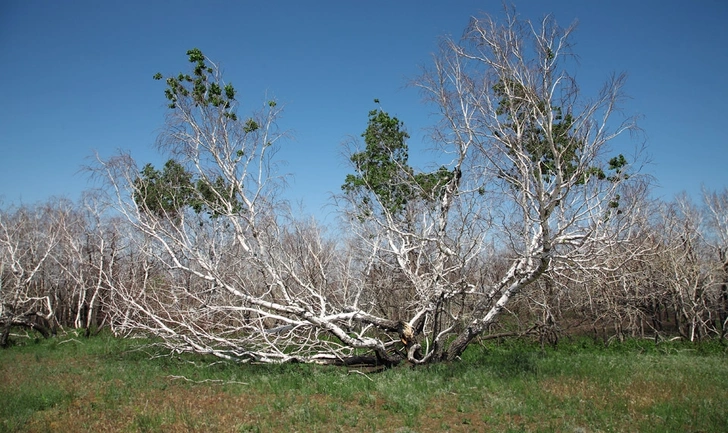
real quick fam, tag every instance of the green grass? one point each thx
(108, 384)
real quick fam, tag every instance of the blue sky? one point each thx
(77, 78)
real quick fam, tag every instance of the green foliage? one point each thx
(203, 87)
(214, 196)
(167, 192)
(554, 152)
(431, 184)
(250, 126)
(164, 192)
(618, 164)
(383, 168)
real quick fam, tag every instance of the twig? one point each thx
(359, 372)
(216, 381)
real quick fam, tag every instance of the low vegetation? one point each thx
(104, 383)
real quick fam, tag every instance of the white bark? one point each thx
(26, 244)
(251, 284)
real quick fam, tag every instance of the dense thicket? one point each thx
(59, 259)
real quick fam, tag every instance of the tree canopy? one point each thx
(383, 169)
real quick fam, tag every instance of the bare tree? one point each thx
(26, 246)
(221, 269)
(91, 250)
(224, 270)
(668, 279)
(54, 257)
(717, 236)
(611, 290)
(691, 264)
(534, 174)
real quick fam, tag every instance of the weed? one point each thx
(249, 428)
(147, 423)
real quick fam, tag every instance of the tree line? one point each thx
(536, 226)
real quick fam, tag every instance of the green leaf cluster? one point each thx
(250, 126)
(551, 154)
(517, 106)
(202, 86)
(167, 192)
(213, 197)
(164, 192)
(383, 170)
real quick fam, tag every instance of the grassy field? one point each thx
(106, 384)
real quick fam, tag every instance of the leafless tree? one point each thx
(224, 269)
(26, 245)
(717, 237)
(691, 264)
(612, 292)
(87, 254)
(671, 281)
(54, 260)
(535, 158)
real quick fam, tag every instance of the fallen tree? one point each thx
(222, 268)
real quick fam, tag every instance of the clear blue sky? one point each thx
(77, 77)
